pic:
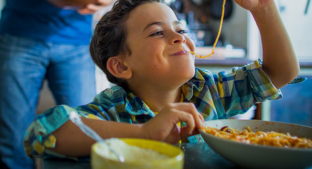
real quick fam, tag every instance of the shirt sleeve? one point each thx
(38, 137)
(243, 87)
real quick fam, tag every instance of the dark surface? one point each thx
(201, 156)
(197, 156)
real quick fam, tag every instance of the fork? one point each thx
(74, 117)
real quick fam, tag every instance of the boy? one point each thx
(143, 48)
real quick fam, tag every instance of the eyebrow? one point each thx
(159, 23)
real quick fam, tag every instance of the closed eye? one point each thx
(157, 33)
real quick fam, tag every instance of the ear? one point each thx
(117, 68)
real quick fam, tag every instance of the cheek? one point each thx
(154, 47)
(148, 48)
(190, 43)
(148, 55)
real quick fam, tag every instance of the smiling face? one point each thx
(159, 48)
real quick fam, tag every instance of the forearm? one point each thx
(71, 141)
(279, 60)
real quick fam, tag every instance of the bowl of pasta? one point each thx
(260, 144)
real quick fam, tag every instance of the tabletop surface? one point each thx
(197, 156)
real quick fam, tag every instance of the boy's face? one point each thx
(159, 47)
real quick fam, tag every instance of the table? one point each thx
(197, 156)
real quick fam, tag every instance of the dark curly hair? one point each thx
(109, 38)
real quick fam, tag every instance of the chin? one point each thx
(191, 71)
(189, 74)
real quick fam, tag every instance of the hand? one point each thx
(92, 8)
(253, 5)
(163, 127)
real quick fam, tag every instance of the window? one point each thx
(297, 17)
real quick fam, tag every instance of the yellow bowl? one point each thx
(175, 160)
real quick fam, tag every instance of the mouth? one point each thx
(182, 52)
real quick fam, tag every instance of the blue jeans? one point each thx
(24, 64)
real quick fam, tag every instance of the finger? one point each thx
(202, 120)
(184, 133)
(90, 9)
(93, 7)
(187, 118)
(169, 120)
(174, 136)
(190, 108)
(85, 11)
(104, 2)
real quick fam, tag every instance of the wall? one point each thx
(235, 28)
(1, 5)
(298, 24)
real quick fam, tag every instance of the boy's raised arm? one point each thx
(279, 60)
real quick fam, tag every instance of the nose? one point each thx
(177, 38)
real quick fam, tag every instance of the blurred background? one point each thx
(238, 45)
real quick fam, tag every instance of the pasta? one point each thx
(219, 32)
(261, 138)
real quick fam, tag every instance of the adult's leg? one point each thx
(22, 70)
(71, 75)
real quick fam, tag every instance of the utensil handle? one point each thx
(74, 117)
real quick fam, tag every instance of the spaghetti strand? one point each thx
(219, 32)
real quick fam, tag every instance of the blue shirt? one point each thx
(216, 96)
(39, 19)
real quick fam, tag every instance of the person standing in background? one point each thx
(41, 40)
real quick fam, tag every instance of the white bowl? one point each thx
(259, 156)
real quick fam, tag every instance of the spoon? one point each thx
(74, 117)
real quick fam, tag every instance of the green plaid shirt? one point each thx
(216, 96)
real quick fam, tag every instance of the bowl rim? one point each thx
(179, 157)
(202, 132)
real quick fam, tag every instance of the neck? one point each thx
(157, 99)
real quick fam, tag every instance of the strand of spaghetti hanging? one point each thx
(219, 32)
